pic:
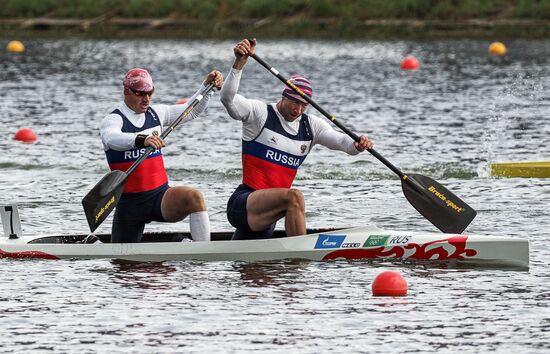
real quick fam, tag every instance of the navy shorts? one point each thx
(133, 211)
(238, 218)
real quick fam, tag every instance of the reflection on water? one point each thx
(144, 275)
(270, 274)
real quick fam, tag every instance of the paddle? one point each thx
(102, 199)
(436, 203)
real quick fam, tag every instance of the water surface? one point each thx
(449, 120)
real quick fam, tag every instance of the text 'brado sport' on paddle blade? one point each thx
(437, 204)
(103, 198)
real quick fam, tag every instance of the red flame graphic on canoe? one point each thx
(420, 251)
(26, 254)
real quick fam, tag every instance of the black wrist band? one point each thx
(140, 140)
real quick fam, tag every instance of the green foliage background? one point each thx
(216, 9)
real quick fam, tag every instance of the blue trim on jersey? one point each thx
(276, 156)
(264, 152)
(273, 123)
(151, 121)
(114, 156)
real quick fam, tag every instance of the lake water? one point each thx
(462, 110)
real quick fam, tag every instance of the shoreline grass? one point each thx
(281, 18)
(347, 9)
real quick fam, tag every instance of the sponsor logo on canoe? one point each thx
(330, 241)
(376, 241)
(442, 196)
(351, 245)
(398, 240)
(386, 240)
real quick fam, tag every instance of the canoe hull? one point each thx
(362, 243)
(527, 169)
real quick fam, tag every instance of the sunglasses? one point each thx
(142, 93)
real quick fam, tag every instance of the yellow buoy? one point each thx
(15, 47)
(497, 48)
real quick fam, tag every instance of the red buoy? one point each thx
(25, 135)
(182, 101)
(410, 63)
(389, 283)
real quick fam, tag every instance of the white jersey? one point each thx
(110, 129)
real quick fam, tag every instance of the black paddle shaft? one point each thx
(435, 202)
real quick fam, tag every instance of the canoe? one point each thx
(367, 243)
(527, 169)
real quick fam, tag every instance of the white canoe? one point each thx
(360, 243)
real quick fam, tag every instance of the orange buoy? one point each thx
(389, 283)
(410, 63)
(182, 101)
(25, 135)
(15, 47)
(497, 48)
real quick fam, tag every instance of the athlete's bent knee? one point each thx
(195, 200)
(296, 199)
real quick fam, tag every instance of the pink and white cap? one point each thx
(303, 84)
(138, 79)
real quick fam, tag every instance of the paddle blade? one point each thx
(103, 198)
(437, 204)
